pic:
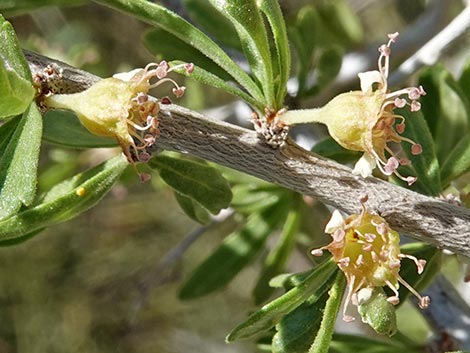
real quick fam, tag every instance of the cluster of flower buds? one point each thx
(365, 120)
(120, 107)
(367, 250)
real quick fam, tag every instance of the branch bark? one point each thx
(424, 218)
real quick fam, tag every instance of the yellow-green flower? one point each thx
(367, 250)
(120, 107)
(365, 120)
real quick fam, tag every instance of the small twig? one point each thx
(424, 218)
(432, 50)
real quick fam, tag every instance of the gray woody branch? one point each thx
(424, 218)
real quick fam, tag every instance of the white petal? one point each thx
(369, 78)
(127, 76)
(336, 221)
(364, 295)
(364, 166)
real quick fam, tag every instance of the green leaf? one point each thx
(63, 128)
(329, 148)
(345, 343)
(278, 257)
(236, 251)
(426, 164)
(329, 64)
(464, 81)
(303, 36)
(16, 90)
(19, 7)
(347, 27)
(193, 209)
(6, 131)
(273, 13)
(159, 16)
(63, 202)
(19, 162)
(251, 197)
(197, 180)
(457, 163)
(210, 20)
(297, 330)
(208, 78)
(249, 25)
(446, 109)
(168, 47)
(323, 337)
(316, 284)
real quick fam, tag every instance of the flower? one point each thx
(367, 250)
(365, 120)
(120, 107)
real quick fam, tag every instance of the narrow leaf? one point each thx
(211, 22)
(65, 201)
(347, 28)
(162, 44)
(273, 13)
(63, 128)
(193, 209)
(457, 163)
(346, 343)
(16, 90)
(159, 16)
(251, 197)
(317, 283)
(426, 164)
(208, 78)
(250, 27)
(19, 162)
(6, 131)
(11, 50)
(19, 7)
(278, 257)
(297, 330)
(196, 180)
(322, 340)
(236, 251)
(328, 65)
(446, 109)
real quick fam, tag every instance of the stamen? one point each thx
(416, 149)
(393, 300)
(367, 247)
(419, 263)
(391, 166)
(400, 128)
(423, 301)
(370, 237)
(344, 261)
(399, 102)
(415, 106)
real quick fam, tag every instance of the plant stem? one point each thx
(321, 344)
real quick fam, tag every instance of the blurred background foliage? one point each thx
(110, 280)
